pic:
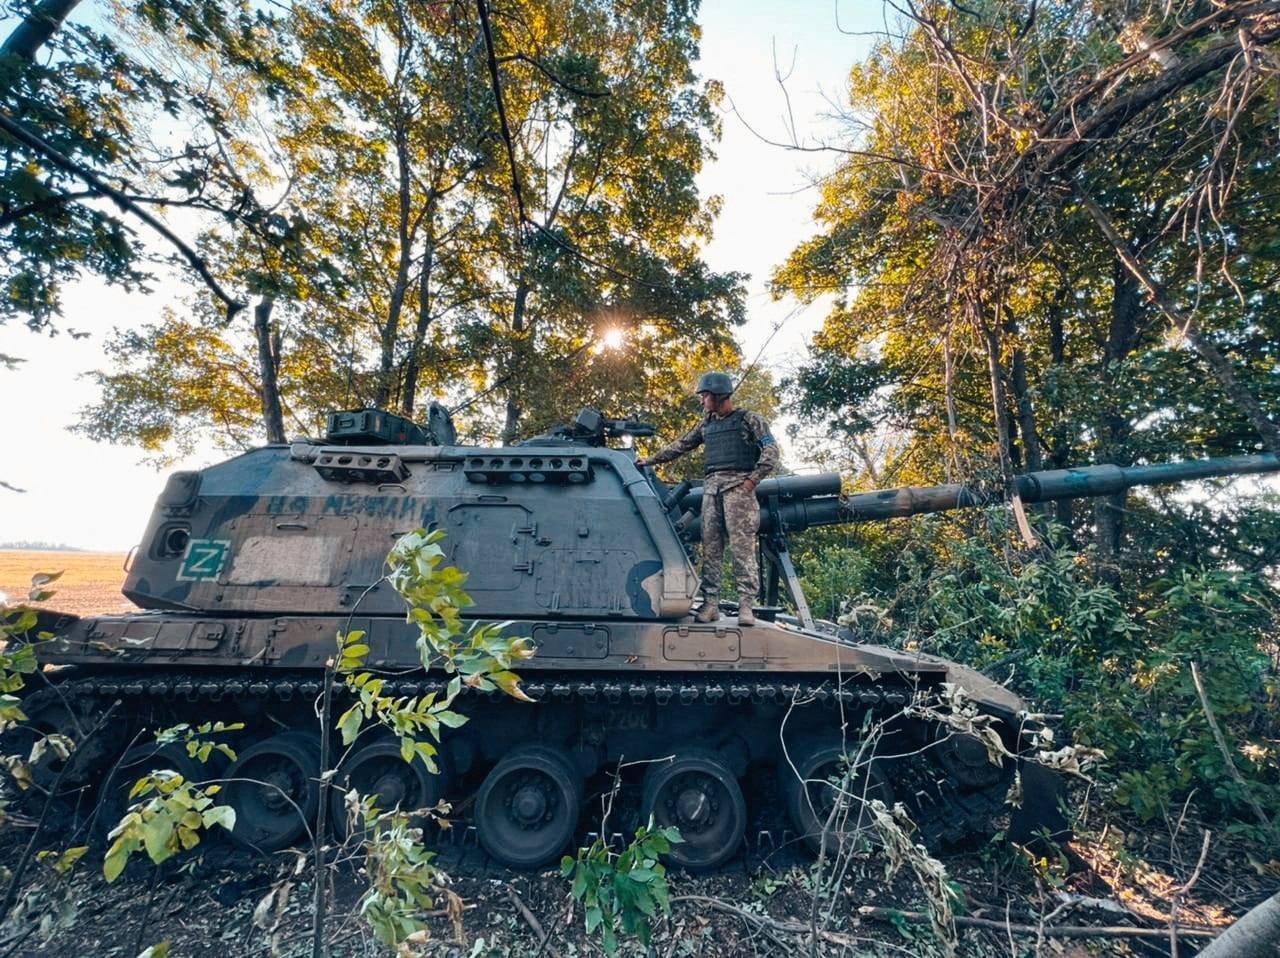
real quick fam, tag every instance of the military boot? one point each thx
(710, 610)
(745, 615)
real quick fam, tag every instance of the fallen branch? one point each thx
(1182, 890)
(768, 923)
(531, 920)
(1222, 747)
(1060, 931)
(1095, 904)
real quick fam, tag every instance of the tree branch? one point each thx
(482, 10)
(39, 206)
(1186, 326)
(63, 162)
(1051, 931)
(37, 27)
(558, 81)
(1221, 740)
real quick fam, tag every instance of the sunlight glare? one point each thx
(613, 338)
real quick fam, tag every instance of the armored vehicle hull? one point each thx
(735, 705)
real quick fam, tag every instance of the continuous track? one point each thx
(944, 813)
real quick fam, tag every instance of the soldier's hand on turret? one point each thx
(749, 485)
(641, 462)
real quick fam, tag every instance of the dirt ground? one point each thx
(216, 902)
(90, 584)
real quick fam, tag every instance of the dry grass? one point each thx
(90, 584)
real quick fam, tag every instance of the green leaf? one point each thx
(223, 815)
(156, 833)
(115, 860)
(451, 719)
(645, 903)
(349, 724)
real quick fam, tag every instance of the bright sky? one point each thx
(97, 496)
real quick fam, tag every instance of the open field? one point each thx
(90, 584)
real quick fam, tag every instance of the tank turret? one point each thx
(250, 567)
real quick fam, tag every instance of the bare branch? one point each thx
(1186, 326)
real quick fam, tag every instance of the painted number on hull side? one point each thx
(204, 559)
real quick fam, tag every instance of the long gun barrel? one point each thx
(805, 501)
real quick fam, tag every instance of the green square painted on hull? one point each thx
(204, 559)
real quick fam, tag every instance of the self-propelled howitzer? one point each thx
(249, 568)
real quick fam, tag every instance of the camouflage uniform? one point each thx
(728, 510)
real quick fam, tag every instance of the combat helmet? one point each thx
(718, 384)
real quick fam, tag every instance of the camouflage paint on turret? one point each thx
(541, 531)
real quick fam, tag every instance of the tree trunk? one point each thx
(40, 23)
(999, 402)
(404, 234)
(268, 368)
(949, 396)
(1031, 454)
(1060, 454)
(511, 424)
(413, 362)
(1256, 935)
(1115, 431)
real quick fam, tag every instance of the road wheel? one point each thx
(822, 780)
(138, 762)
(274, 787)
(698, 794)
(528, 806)
(378, 768)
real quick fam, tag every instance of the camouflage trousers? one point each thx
(730, 513)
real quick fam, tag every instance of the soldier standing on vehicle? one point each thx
(740, 453)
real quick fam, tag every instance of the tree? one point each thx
(599, 219)
(991, 247)
(78, 174)
(372, 224)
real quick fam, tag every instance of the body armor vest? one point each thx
(729, 443)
